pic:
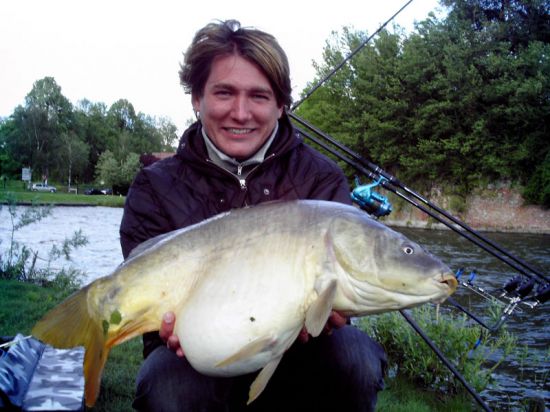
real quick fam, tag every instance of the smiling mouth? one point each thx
(238, 131)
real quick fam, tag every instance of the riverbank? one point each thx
(497, 208)
(26, 198)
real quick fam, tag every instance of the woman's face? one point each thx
(238, 108)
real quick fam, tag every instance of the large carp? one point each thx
(244, 283)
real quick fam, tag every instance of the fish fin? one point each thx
(148, 244)
(248, 351)
(319, 311)
(262, 379)
(69, 325)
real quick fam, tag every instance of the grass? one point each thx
(16, 190)
(23, 304)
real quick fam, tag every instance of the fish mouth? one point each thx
(449, 279)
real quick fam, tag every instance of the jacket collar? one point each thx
(192, 146)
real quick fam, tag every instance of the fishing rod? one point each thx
(348, 57)
(391, 180)
(387, 181)
(392, 184)
(445, 361)
(379, 204)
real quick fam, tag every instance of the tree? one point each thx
(10, 166)
(459, 101)
(47, 114)
(72, 155)
(92, 128)
(117, 174)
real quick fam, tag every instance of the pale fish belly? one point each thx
(251, 304)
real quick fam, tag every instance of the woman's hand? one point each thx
(335, 321)
(166, 333)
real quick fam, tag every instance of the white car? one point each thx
(43, 187)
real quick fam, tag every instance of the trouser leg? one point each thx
(167, 383)
(343, 371)
(339, 372)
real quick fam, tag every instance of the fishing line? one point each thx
(348, 57)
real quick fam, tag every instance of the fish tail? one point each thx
(69, 325)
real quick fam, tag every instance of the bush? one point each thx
(18, 262)
(409, 357)
(537, 190)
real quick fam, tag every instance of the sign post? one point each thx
(26, 176)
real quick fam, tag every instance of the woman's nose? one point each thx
(241, 110)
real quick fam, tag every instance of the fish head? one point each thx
(380, 269)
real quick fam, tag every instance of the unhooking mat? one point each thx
(38, 377)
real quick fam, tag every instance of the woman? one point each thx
(243, 151)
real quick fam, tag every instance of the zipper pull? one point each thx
(239, 170)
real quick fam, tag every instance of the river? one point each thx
(515, 378)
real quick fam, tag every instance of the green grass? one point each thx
(23, 304)
(16, 190)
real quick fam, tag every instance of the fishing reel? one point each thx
(369, 200)
(517, 290)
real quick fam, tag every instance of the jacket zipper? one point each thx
(242, 181)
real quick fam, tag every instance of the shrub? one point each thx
(411, 358)
(18, 262)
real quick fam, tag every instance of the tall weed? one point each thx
(19, 262)
(463, 344)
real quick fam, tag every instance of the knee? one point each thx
(359, 357)
(155, 380)
(168, 383)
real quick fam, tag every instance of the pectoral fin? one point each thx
(262, 379)
(253, 348)
(319, 311)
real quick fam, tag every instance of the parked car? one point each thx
(43, 187)
(94, 191)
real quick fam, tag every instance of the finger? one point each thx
(337, 320)
(303, 336)
(173, 343)
(167, 325)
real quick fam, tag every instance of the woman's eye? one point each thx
(408, 250)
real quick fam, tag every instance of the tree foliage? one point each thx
(65, 143)
(459, 101)
(117, 173)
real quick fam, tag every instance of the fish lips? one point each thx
(448, 283)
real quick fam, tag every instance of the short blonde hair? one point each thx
(226, 38)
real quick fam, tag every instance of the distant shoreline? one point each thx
(496, 210)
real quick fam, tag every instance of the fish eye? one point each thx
(408, 250)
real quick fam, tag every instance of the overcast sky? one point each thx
(104, 50)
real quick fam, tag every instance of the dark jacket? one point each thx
(188, 188)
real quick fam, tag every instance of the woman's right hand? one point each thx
(166, 333)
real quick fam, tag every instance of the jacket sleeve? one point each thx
(330, 182)
(333, 186)
(143, 217)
